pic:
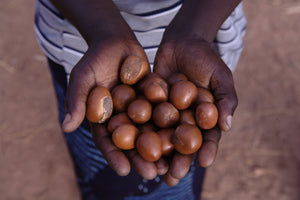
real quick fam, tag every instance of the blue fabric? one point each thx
(98, 181)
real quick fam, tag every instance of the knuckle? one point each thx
(234, 102)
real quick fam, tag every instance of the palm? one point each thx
(196, 59)
(200, 63)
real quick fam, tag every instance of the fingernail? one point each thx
(228, 122)
(67, 119)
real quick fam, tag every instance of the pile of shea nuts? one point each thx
(153, 115)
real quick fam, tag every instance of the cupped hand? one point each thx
(197, 59)
(100, 66)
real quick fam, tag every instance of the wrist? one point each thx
(111, 33)
(108, 27)
(200, 19)
(96, 20)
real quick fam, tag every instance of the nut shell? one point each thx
(124, 136)
(206, 115)
(156, 90)
(99, 105)
(165, 137)
(122, 96)
(187, 139)
(165, 115)
(140, 111)
(117, 120)
(149, 146)
(141, 84)
(187, 116)
(133, 69)
(204, 95)
(183, 94)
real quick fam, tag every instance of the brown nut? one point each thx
(183, 94)
(122, 95)
(117, 120)
(140, 111)
(206, 115)
(133, 69)
(156, 90)
(175, 77)
(165, 137)
(149, 146)
(141, 84)
(187, 116)
(99, 105)
(165, 115)
(124, 136)
(204, 95)
(187, 139)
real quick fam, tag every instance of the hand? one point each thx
(100, 66)
(110, 41)
(196, 59)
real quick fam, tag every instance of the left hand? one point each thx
(196, 59)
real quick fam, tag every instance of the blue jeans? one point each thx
(98, 181)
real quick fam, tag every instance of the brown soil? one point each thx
(258, 159)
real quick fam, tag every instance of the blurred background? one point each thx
(259, 159)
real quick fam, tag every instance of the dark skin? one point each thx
(185, 48)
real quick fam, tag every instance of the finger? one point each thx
(162, 166)
(113, 155)
(145, 168)
(170, 180)
(96, 67)
(222, 86)
(208, 151)
(180, 165)
(80, 83)
(165, 67)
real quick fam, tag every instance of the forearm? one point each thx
(94, 18)
(201, 18)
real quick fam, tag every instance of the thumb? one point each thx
(81, 82)
(222, 86)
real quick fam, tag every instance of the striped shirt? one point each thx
(63, 44)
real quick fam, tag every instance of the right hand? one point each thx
(100, 66)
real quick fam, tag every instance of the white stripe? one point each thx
(50, 50)
(143, 6)
(64, 44)
(74, 42)
(150, 38)
(61, 25)
(151, 54)
(146, 23)
(227, 35)
(70, 57)
(47, 30)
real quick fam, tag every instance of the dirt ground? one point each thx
(258, 159)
